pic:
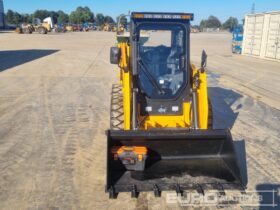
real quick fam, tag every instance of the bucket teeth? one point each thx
(134, 193)
(112, 193)
(174, 160)
(157, 192)
(179, 191)
(200, 189)
(220, 189)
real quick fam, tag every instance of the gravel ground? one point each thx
(54, 109)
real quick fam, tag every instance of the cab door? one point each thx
(273, 40)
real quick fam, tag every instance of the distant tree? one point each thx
(203, 24)
(99, 19)
(13, 17)
(89, 16)
(230, 23)
(10, 16)
(54, 15)
(82, 15)
(211, 22)
(62, 17)
(123, 20)
(30, 18)
(109, 19)
(74, 17)
(42, 14)
(26, 18)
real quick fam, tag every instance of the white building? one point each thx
(262, 35)
(2, 21)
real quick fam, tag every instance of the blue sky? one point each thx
(201, 8)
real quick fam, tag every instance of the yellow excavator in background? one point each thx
(161, 135)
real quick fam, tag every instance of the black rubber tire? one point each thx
(116, 112)
(26, 31)
(42, 30)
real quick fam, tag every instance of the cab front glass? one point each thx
(162, 59)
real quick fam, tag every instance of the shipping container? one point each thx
(262, 35)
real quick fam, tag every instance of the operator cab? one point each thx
(162, 67)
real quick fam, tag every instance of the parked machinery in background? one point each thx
(69, 28)
(41, 27)
(109, 27)
(195, 29)
(237, 39)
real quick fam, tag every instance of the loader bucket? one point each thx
(176, 160)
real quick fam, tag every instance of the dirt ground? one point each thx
(54, 109)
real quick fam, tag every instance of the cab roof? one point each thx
(162, 16)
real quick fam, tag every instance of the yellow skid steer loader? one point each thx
(161, 135)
